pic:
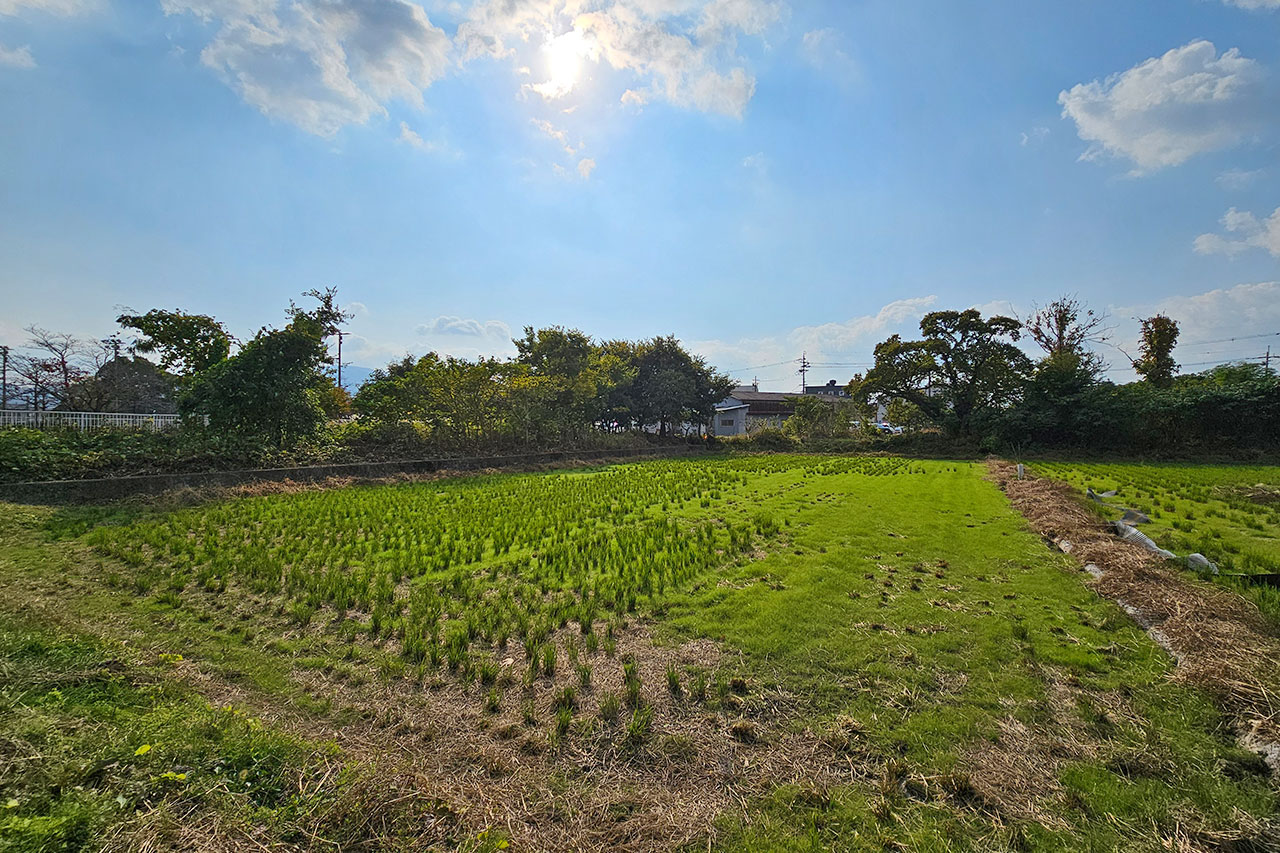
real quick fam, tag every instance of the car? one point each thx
(889, 429)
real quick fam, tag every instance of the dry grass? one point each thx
(1220, 640)
(590, 790)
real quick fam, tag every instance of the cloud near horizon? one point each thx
(1239, 312)
(448, 325)
(844, 342)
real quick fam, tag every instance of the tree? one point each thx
(1155, 361)
(673, 387)
(1066, 326)
(61, 360)
(815, 417)
(125, 385)
(570, 364)
(37, 381)
(903, 414)
(186, 343)
(964, 365)
(270, 390)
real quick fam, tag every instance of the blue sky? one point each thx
(760, 178)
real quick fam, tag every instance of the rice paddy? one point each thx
(742, 653)
(1229, 513)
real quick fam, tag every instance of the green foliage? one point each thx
(561, 388)
(271, 389)
(963, 367)
(1155, 361)
(817, 417)
(1226, 408)
(186, 343)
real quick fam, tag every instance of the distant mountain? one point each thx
(353, 376)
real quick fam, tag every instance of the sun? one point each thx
(565, 53)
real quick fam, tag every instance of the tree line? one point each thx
(967, 377)
(561, 388)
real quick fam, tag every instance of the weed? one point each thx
(639, 727)
(609, 707)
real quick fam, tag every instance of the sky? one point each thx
(761, 178)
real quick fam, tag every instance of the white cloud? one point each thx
(66, 8)
(554, 132)
(1034, 136)
(1207, 322)
(324, 64)
(359, 309)
(411, 137)
(1238, 179)
(21, 57)
(1168, 109)
(1249, 233)
(757, 163)
(681, 51)
(825, 343)
(447, 325)
(17, 57)
(824, 50)
(1254, 4)
(585, 167)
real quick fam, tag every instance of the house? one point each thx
(748, 408)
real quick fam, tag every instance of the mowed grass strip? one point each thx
(966, 689)
(1229, 513)
(1001, 701)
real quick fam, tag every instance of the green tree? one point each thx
(815, 417)
(270, 390)
(673, 386)
(964, 365)
(186, 343)
(1155, 361)
(903, 414)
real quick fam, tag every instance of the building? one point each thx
(831, 389)
(748, 408)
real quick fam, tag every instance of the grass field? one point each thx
(1229, 513)
(753, 653)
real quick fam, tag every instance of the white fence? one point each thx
(86, 420)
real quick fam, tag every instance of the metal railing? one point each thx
(86, 420)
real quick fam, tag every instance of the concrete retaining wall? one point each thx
(113, 488)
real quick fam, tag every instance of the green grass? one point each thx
(93, 744)
(1229, 513)
(896, 612)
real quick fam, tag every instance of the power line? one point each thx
(1228, 340)
(759, 366)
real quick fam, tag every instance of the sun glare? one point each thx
(565, 53)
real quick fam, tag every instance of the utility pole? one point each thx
(804, 370)
(4, 381)
(340, 336)
(1266, 361)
